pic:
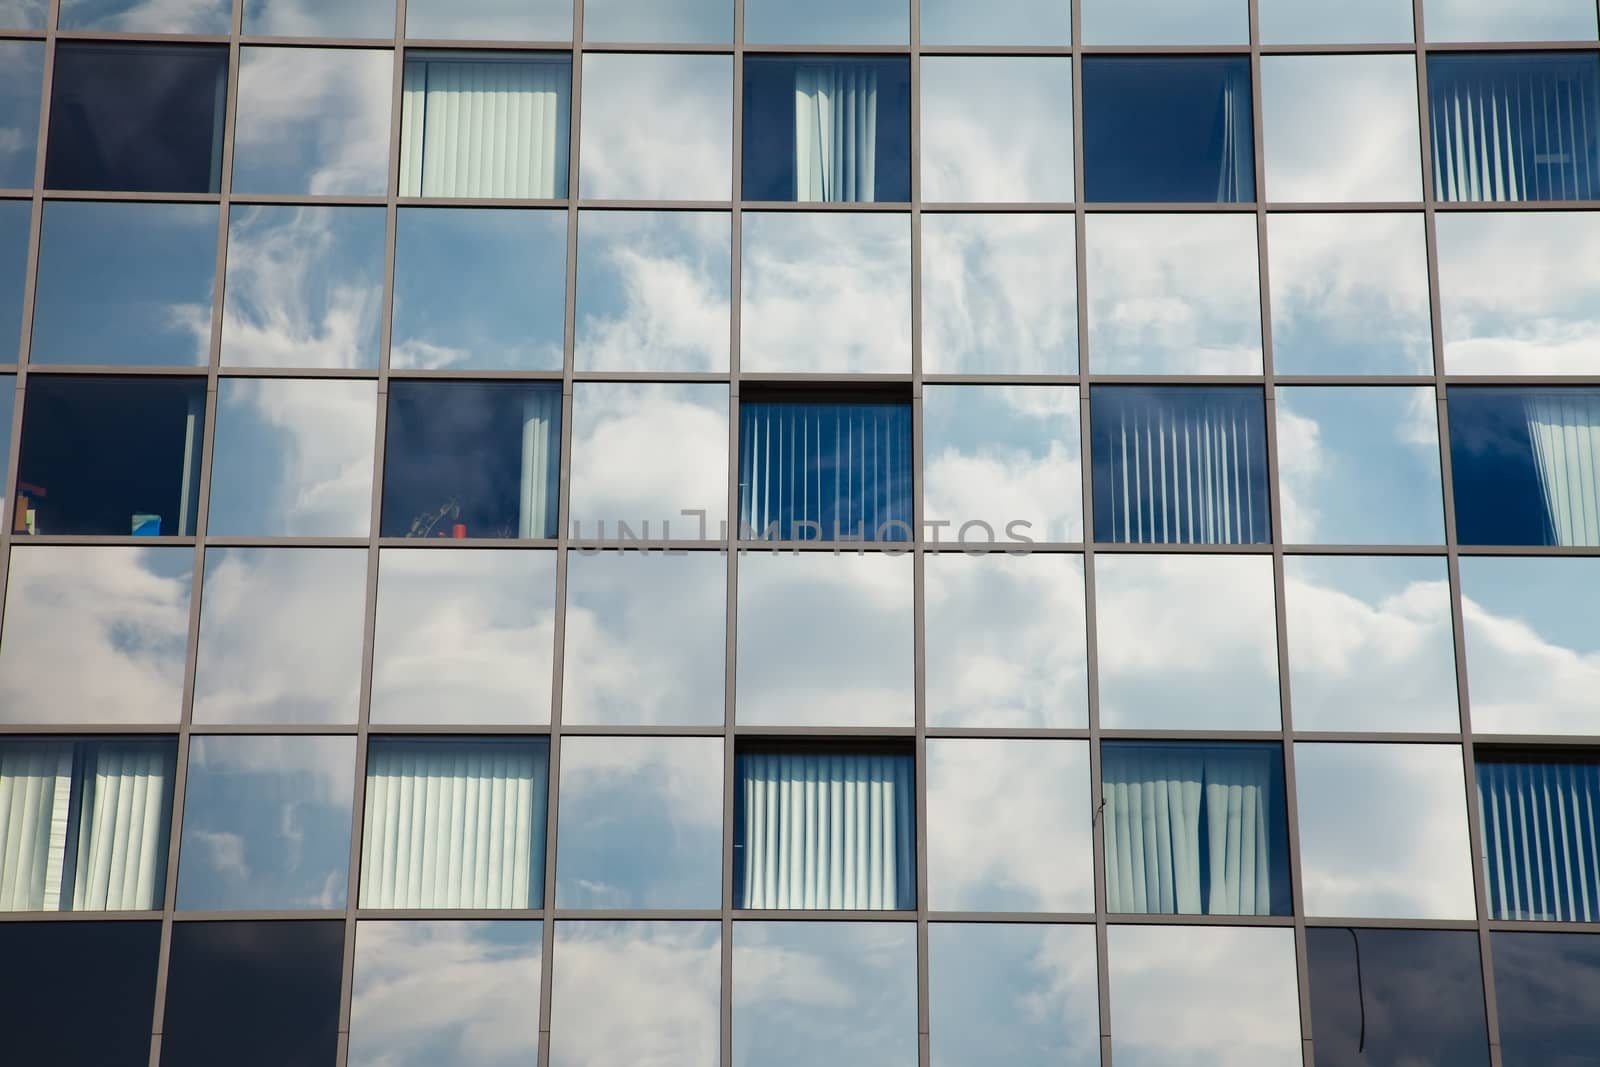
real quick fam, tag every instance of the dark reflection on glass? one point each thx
(8, 407)
(1547, 987)
(137, 118)
(147, 16)
(15, 216)
(317, 18)
(79, 994)
(253, 994)
(1397, 998)
(124, 283)
(21, 82)
(110, 456)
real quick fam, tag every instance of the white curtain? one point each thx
(1236, 170)
(35, 795)
(490, 128)
(541, 418)
(123, 825)
(1564, 433)
(1542, 840)
(453, 824)
(828, 830)
(835, 132)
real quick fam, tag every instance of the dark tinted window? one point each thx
(1548, 990)
(84, 997)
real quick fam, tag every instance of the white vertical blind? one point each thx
(123, 825)
(541, 415)
(1564, 432)
(836, 132)
(453, 824)
(1236, 169)
(35, 793)
(827, 830)
(1542, 840)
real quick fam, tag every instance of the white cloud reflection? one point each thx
(996, 128)
(1495, 20)
(146, 16)
(657, 127)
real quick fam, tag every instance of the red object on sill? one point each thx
(459, 531)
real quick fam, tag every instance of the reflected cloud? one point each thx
(674, 21)
(146, 16)
(1165, 21)
(997, 129)
(316, 18)
(21, 82)
(827, 22)
(1526, 20)
(1015, 22)
(1341, 128)
(490, 20)
(657, 127)
(23, 14)
(1353, 22)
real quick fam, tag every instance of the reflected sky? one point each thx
(463, 993)
(996, 128)
(262, 608)
(1187, 642)
(1166, 21)
(826, 292)
(1492, 20)
(490, 20)
(463, 636)
(1548, 991)
(827, 22)
(1043, 862)
(824, 639)
(1014, 22)
(15, 219)
(95, 634)
(23, 14)
(657, 127)
(317, 18)
(1341, 128)
(1173, 294)
(147, 16)
(1353, 22)
(21, 81)
(675, 21)
(1383, 831)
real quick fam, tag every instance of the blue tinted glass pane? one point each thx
(23, 14)
(84, 998)
(21, 81)
(1168, 129)
(1547, 988)
(15, 216)
(1541, 839)
(8, 407)
(316, 18)
(677, 21)
(146, 16)
(827, 22)
(797, 109)
(825, 472)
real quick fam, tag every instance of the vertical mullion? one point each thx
(919, 598)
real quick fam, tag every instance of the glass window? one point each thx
(464, 637)
(1187, 642)
(1341, 128)
(1370, 643)
(1203, 997)
(1013, 22)
(254, 994)
(828, 22)
(1043, 860)
(1004, 638)
(472, 459)
(125, 283)
(999, 294)
(674, 21)
(308, 18)
(1547, 988)
(1477, 20)
(85, 993)
(1359, 465)
(304, 287)
(479, 289)
(8, 409)
(293, 458)
(1173, 128)
(490, 20)
(1383, 831)
(644, 638)
(262, 608)
(461, 993)
(799, 839)
(89, 823)
(110, 456)
(636, 992)
(996, 128)
(95, 634)
(1022, 995)
(839, 993)
(21, 82)
(454, 823)
(825, 292)
(144, 16)
(653, 291)
(641, 823)
(1358, 22)
(1165, 22)
(23, 14)
(266, 824)
(1533, 656)
(657, 127)
(1173, 294)
(1540, 837)
(826, 128)
(329, 137)
(15, 221)
(1397, 996)
(1349, 294)
(1180, 465)
(458, 110)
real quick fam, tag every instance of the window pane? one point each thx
(21, 82)
(1370, 643)
(1349, 294)
(1358, 22)
(1203, 997)
(330, 137)
(1165, 22)
(1474, 20)
(657, 127)
(457, 109)
(1540, 838)
(674, 21)
(143, 16)
(95, 634)
(1173, 294)
(266, 824)
(84, 996)
(125, 283)
(262, 608)
(996, 128)
(999, 294)
(23, 14)
(641, 823)
(828, 293)
(1169, 128)
(827, 22)
(1187, 642)
(1547, 987)
(304, 287)
(464, 637)
(635, 992)
(110, 456)
(796, 109)
(1383, 831)
(461, 993)
(8, 408)
(293, 458)
(1015, 22)
(308, 18)
(15, 221)
(454, 823)
(1341, 128)
(490, 20)
(1043, 860)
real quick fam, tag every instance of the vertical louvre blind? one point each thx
(827, 830)
(836, 132)
(1564, 434)
(490, 128)
(846, 468)
(1515, 127)
(452, 824)
(1236, 169)
(1542, 840)
(35, 791)
(541, 418)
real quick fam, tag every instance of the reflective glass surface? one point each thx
(311, 18)
(146, 16)
(657, 127)
(677, 21)
(827, 22)
(1340, 128)
(1016, 22)
(15, 219)
(1165, 22)
(23, 14)
(8, 408)
(1484, 20)
(1548, 991)
(996, 128)
(84, 998)
(1357, 22)
(490, 20)
(21, 82)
